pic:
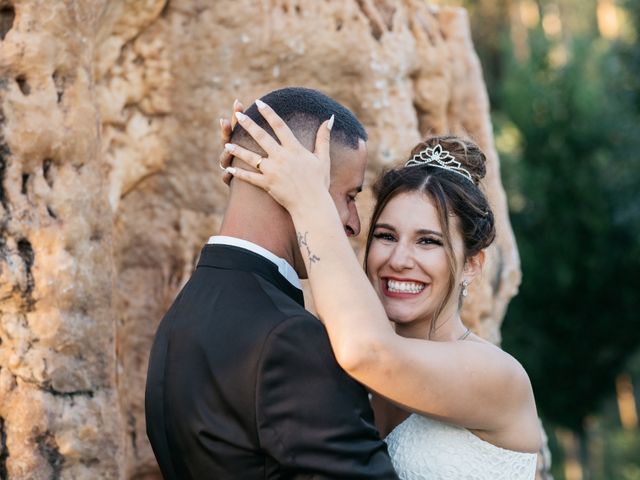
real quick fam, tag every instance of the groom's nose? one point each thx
(352, 226)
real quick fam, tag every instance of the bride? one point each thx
(453, 405)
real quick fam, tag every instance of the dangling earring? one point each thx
(465, 284)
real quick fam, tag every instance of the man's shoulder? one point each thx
(303, 324)
(297, 341)
(275, 301)
(242, 292)
(258, 308)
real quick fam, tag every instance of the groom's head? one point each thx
(303, 110)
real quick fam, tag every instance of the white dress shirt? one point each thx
(285, 269)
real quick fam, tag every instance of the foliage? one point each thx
(568, 130)
(567, 123)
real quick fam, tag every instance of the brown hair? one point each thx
(452, 195)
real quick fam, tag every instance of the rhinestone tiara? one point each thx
(439, 158)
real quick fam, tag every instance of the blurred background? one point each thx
(564, 82)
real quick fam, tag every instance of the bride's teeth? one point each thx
(404, 287)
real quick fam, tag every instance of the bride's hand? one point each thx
(226, 128)
(290, 173)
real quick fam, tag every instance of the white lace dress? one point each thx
(425, 449)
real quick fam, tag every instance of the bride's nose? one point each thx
(402, 257)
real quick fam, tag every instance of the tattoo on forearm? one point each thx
(302, 242)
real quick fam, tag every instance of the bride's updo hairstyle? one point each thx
(453, 195)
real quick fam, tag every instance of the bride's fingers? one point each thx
(251, 158)
(237, 107)
(281, 129)
(323, 139)
(225, 136)
(256, 179)
(323, 146)
(225, 130)
(266, 141)
(224, 160)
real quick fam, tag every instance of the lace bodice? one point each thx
(425, 449)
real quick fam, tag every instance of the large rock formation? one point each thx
(59, 408)
(110, 185)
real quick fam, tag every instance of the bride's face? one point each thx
(407, 262)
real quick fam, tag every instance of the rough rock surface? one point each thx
(59, 408)
(110, 185)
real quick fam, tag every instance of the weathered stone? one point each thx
(57, 359)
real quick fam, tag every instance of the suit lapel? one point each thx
(235, 258)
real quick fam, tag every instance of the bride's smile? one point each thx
(398, 287)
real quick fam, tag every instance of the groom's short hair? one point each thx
(303, 110)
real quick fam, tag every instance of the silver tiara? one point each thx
(437, 157)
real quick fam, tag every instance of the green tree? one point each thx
(574, 322)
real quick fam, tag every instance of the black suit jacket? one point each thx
(242, 383)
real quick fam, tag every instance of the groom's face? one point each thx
(347, 175)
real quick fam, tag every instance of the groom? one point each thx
(242, 382)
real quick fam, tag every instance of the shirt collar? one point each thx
(285, 269)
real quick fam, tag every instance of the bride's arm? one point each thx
(344, 299)
(461, 382)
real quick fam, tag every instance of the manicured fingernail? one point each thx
(230, 170)
(241, 116)
(229, 147)
(331, 120)
(222, 123)
(235, 103)
(261, 104)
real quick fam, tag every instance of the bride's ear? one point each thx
(473, 266)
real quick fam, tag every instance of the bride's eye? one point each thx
(384, 236)
(430, 241)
